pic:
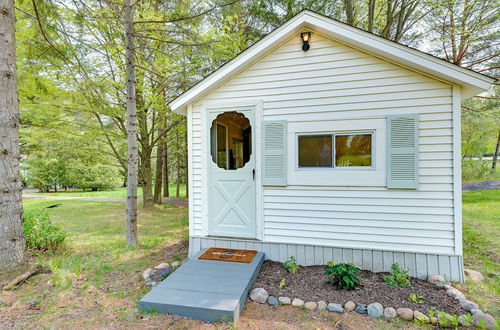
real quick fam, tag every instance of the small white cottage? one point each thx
(326, 142)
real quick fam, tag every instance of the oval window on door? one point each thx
(231, 140)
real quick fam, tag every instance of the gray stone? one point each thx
(147, 274)
(468, 305)
(285, 300)
(460, 298)
(259, 295)
(420, 316)
(176, 264)
(311, 305)
(435, 278)
(375, 310)
(321, 305)
(475, 311)
(452, 292)
(297, 302)
(485, 321)
(273, 301)
(361, 309)
(390, 313)
(474, 275)
(465, 321)
(337, 308)
(443, 284)
(405, 313)
(162, 266)
(350, 306)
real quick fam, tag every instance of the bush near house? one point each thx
(344, 275)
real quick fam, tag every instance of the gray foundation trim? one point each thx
(420, 265)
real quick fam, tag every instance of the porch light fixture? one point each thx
(305, 36)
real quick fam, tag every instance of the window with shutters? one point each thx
(231, 140)
(336, 150)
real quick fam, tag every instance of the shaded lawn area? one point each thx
(481, 232)
(116, 193)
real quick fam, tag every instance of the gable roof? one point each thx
(472, 83)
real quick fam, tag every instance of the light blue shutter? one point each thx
(402, 151)
(274, 153)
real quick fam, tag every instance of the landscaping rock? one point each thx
(420, 316)
(321, 305)
(390, 313)
(360, 309)
(468, 305)
(150, 283)
(147, 274)
(259, 295)
(443, 284)
(465, 321)
(405, 313)
(350, 306)
(297, 302)
(485, 321)
(176, 264)
(285, 300)
(311, 305)
(475, 311)
(375, 310)
(273, 301)
(337, 308)
(162, 266)
(435, 278)
(452, 292)
(474, 275)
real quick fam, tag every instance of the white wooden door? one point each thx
(231, 191)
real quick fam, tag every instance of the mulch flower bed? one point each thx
(310, 284)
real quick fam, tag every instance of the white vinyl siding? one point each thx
(332, 83)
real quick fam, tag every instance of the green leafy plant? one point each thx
(344, 275)
(291, 265)
(415, 298)
(282, 283)
(447, 320)
(40, 233)
(398, 277)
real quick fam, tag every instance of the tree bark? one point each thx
(178, 158)
(11, 209)
(495, 155)
(158, 173)
(133, 155)
(166, 181)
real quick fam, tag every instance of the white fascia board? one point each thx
(472, 83)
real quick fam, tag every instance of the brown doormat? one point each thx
(221, 254)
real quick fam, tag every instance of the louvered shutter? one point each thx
(402, 151)
(274, 153)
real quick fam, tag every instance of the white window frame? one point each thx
(333, 167)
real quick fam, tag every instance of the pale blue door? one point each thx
(231, 171)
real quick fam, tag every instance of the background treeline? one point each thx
(72, 75)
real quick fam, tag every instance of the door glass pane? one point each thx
(231, 140)
(315, 151)
(353, 150)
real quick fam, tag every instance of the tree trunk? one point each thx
(495, 155)
(166, 181)
(371, 13)
(133, 155)
(11, 208)
(147, 176)
(158, 173)
(177, 153)
(186, 164)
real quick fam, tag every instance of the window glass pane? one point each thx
(353, 150)
(315, 151)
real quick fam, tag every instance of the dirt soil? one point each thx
(310, 284)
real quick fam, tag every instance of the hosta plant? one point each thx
(344, 275)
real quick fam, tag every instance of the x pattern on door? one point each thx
(231, 215)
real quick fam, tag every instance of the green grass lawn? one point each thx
(116, 193)
(481, 232)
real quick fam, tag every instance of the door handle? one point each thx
(253, 174)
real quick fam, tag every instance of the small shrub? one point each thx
(282, 283)
(291, 265)
(344, 275)
(40, 233)
(413, 297)
(398, 277)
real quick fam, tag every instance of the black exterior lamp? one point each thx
(305, 36)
